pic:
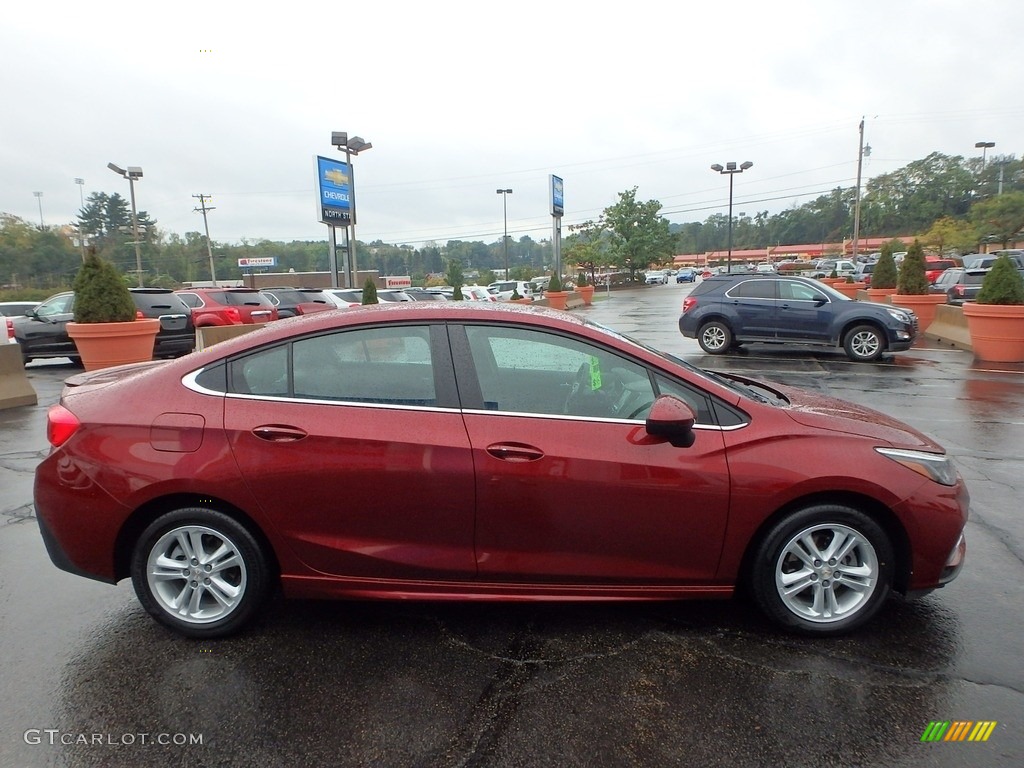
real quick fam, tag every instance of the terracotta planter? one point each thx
(880, 295)
(849, 289)
(586, 292)
(102, 345)
(556, 299)
(923, 306)
(997, 331)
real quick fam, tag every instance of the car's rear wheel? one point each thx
(864, 344)
(715, 338)
(199, 572)
(824, 570)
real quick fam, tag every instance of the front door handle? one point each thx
(278, 433)
(515, 453)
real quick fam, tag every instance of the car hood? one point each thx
(829, 413)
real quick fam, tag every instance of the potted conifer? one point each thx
(995, 319)
(912, 288)
(883, 278)
(370, 292)
(585, 289)
(557, 298)
(107, 329)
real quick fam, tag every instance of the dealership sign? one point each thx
(398, 282)
(334, 192)
(258, 261)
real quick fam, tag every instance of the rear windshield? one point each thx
(240, 298)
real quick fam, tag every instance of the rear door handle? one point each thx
(278, 433)
(515, 453)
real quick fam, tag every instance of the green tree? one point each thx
(949, 233)
(1003, 284)
(638, 234)
(912, 279)
(1000, 218)
(454, 276)
(588, 246)
(101, 295)
(885, 274)
(370, 292)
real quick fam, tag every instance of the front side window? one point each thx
(59, 305)
(794, 291)
(527, 371)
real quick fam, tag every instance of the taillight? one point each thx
(61, 424)
(689, 303)
(139, 315)
(233, 315)
(958, 290)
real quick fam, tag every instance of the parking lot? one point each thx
(90, 679)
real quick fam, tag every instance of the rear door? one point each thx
(753, 303)
(354, 447)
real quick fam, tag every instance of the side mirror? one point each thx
(672, 419)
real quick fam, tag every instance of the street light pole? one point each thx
(39, 199)
(132, 173)
(81, 197)
(504, 207)
(731, 169)
(983, 146)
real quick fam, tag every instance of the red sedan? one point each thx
(459, 451)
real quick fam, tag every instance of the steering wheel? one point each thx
(580, 382)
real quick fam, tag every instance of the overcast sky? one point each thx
(459, 99)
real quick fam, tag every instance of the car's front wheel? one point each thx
(864, 344)
(715, 338)
(824, 570)
(199, 572)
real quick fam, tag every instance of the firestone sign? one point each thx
(258, 261)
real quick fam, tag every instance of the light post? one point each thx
(350, 146)
(984, 146)
(132, 173)
(81, 197)
(504, 207)
(39, 199)
(731, 169)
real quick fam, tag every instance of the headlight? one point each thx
(934, 466)
(899, 316)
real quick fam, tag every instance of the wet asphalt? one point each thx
(87, 679)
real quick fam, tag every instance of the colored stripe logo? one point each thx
(959, 730)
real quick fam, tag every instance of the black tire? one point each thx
(864, 344)
(826, 596)
(173, 562)
(715, 338)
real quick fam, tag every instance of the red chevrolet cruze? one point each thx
(447, 452)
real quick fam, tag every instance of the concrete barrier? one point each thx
(15, 389)
(950, 327)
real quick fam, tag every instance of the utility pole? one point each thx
(209, 248)
(856, 206)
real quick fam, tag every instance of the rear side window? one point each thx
(754, 289)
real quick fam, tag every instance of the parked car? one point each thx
(686, 275)
(503, 289)
(552, 459)
(764, 268)
(959, 284)
(863, 272)
(425, 294)
(842, 268)
(986, 260)
(477, 293)
(345, 298)
(43, 333)
(298, 301)
(10, 310)
(727, 311)
(227, 306)
(656, 278)
(934, 267)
